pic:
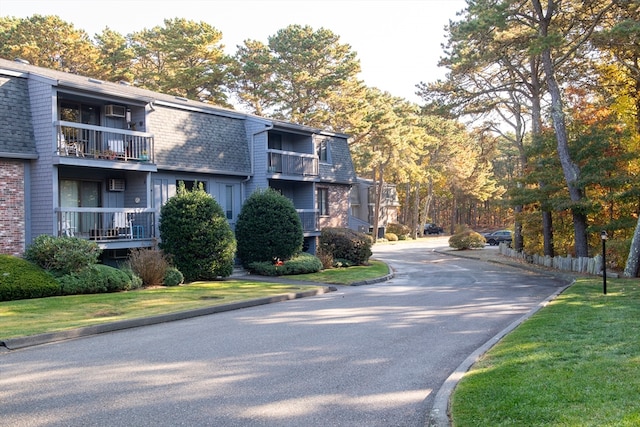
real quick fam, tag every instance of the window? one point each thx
(228, 202)
(190, 185)
(323, 201)
(275, 141)
(323, 151)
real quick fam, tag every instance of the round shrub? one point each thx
(62, 255)
(195, 233)
(21, 279)
(268, 228)
(95, 279)
(400, 230)
(345, 244)
(391, 237)
(467, 239)
(173, 277)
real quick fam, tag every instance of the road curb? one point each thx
(439, 416)
(33, 340)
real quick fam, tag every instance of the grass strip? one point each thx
(35, 316)
(574, 363)
(347, 276)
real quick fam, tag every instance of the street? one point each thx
(371, 355)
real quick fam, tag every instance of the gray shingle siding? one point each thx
(16, 137)
(196, 141)
(340, 169)
(44, 176)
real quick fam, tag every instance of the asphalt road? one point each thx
(370, 355)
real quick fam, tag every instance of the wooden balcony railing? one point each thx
(106, 224)
(292, 163)
(80, 140)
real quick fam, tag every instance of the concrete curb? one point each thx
(439, 415)
(33, 340)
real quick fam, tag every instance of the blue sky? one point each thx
(398, 42)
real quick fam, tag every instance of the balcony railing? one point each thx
(80, 140)
(292, 163)
(106, 224)
(309, 218)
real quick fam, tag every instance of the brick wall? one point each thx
(12, 208)
(338, 207)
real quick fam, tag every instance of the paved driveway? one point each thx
(371, 355)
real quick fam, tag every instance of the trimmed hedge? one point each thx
(62, 255)
(95, 279)
(268, 228)
(196, 234)
(173, 277)
(302, 264)
(467, 239)
(21, 279)
(345, 244)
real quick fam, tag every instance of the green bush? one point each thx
(195, 233)
(268, 228)
(95, 279)
(301, 264)
(150, 264)
(391, 237)
(21, 279)
(465, 238)
(400, 230)
(135, 280)
(347, 244)
(62, 255)
(173, 277)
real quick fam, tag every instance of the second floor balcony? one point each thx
(98, 142)
(292, 163)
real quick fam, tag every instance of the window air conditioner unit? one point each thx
(115, 111)
(116, 184)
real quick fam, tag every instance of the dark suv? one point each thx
(430, 228)
(496, 237)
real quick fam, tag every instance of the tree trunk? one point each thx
(633, 260)
(569, 168)
(416, 213)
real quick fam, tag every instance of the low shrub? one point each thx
(173, 277)
(21, 279)
(400, 230)
(392, 237)
(62, 255)
(95, 279)
(136, 281)
(344, 243)
(325, 258)
(301, 264)
(150, 264)
(465, 238)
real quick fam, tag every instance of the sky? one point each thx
(398, 42)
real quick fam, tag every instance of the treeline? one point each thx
(548, 91)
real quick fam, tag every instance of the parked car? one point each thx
(496, 237)
(430, 228)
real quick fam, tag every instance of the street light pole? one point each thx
(604, 236)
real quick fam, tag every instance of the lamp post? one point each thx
(604, 236)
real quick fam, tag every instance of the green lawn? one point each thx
(36, 316)
(574, 363)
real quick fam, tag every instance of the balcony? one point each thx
(309, 219)
(292, 163)
(97, 142)
(109, 227)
